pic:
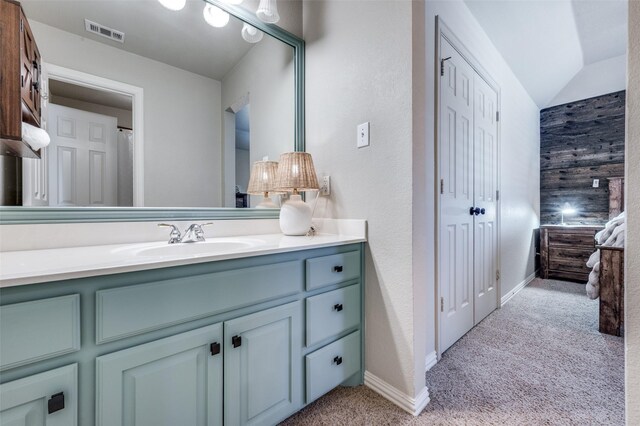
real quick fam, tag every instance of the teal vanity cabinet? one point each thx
(234, 342)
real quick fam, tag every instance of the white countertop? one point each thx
(36, 266)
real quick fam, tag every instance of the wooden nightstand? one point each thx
(564, 251)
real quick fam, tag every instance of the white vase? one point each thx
(295, 216)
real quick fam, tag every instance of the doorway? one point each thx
(467, 204)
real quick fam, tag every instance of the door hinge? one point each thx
(442, 65)
(442, 304)
(497, 115)
(442, 186)
(55, 403)
(214, 348)
(236, 341)
(497, 275)
(21, 26)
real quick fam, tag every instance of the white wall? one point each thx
(358, 69)
(182, 116)
(595, 79)
(632, 197)
(265, 73)
(519, 142)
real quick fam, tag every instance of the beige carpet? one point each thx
(537, 361)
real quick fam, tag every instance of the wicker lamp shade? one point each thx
(263, 177)
(296, 173)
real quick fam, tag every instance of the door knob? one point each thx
(474, 211)
(482, 211)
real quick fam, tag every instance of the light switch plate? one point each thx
(363, 135)
(596, 183)
(325, 185)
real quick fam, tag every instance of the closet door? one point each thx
(485, 236)
(456, 197)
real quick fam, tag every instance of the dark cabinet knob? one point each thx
(236, 341)
(337, 307)
(337, 268)
(55, 403)
(337, 360)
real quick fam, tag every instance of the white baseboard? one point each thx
(413, 406)
(517, 288)
(430, 360)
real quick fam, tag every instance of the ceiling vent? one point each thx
(103, 31)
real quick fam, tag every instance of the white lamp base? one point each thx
(267, 203)
(295, 216)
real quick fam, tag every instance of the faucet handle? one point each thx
(175, 235)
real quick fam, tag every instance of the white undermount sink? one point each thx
(200, 248)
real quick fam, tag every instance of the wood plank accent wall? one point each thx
(581, 141)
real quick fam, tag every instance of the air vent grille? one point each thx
(103, 31)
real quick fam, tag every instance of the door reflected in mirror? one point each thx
(150, 107)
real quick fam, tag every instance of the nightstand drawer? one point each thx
(334, 269)
(331, 313)
(38, 330)
(332, 365)
(572, 239)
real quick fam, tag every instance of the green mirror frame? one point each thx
(34, 215)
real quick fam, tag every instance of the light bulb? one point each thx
(268, 11)
(251, 34)
(173, 4)
(215, 16)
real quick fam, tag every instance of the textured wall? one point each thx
(580, 141)
(632, 255)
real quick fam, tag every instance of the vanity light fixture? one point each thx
(566, 210)
(251, 34)
(215, 16)
(261, 182)
(296, 173)
(173, 4)
(268, 11)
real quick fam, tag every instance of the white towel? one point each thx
(35, 136)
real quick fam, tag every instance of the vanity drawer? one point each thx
(332, 365)
(127, 311)
(562, 239)
(333, 269)
(331, 313)
(38, 330)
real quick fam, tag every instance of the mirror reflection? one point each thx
(147, 106)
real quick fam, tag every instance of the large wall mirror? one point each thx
(155, 113)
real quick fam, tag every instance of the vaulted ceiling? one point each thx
(547, 42)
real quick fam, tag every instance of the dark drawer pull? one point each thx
(337, 307)
(214, 348)
(236, 341)
(56, 403)
(337, 268)
(337, 360)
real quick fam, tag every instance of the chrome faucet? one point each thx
(192, 234)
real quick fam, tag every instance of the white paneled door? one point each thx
(82, 158)
(468, 183)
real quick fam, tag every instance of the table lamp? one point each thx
(296, 173)
(262, 181)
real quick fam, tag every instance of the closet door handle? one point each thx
(482, 211)
(474, 211)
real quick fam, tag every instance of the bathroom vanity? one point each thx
(245, 336)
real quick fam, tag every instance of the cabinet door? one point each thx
(45, 399)
(263, 366)
(172, 381)
(29, 69)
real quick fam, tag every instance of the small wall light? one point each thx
(566, 210)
